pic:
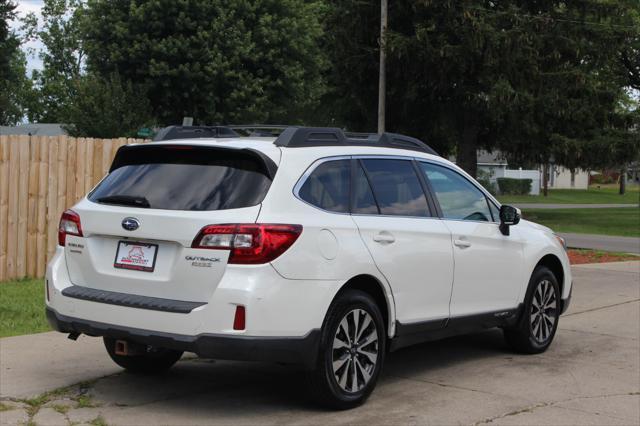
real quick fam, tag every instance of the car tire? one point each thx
(538, 322)
(351, 354)
(155, 360)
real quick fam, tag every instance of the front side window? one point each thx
(328, 186)
(396, 187)
(458, 198)
(495, 211)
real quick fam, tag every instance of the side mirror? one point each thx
(509, 216)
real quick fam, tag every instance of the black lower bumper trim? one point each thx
(130, 300)
(293, 350)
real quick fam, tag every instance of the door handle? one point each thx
(384, 237)
(462, 243)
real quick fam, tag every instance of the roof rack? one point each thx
(194, 132)
(297, 136)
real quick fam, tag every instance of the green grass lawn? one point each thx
(593, 195)
(610, 221)
(22, 307)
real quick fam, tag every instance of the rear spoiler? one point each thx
(155, 153)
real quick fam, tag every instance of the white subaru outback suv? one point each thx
(314, 247)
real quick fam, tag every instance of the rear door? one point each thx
(488, 265)
(139, 223)
(409, 246)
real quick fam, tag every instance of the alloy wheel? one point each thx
(543, 311)
(355, 350)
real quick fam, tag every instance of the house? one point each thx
(562, 178)
(492, 163)
(34, 129)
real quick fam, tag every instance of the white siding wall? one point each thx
(562, 179)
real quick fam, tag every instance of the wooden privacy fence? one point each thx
(40, 177)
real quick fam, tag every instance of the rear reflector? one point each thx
(239, 318)
(252, 243)
(69, 225)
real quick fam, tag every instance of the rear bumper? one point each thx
(295, 350)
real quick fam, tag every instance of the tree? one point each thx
(14, 85)
(107, 108)
(573, 84)
(630, 53)
(62, 57)
(515, 75)
(218, 62)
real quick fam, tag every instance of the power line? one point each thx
(551, 18)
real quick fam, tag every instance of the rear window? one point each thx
(185, 178)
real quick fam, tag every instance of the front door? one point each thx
(488, 265)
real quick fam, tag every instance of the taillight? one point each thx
(251, 243)
(69, 225)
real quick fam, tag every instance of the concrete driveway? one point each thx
(590, 375)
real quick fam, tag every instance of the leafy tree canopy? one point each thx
(14, 84)
(107, 108)
(219, 62)
(60, 32)
(515, 75)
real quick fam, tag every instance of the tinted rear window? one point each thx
(187, 178)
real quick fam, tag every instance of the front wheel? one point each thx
(150, 360)
(537, 326)
(352, 349)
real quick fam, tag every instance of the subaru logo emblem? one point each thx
(130, 223)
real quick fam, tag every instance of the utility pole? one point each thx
(382, 78)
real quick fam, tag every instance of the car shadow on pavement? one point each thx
(225, 388)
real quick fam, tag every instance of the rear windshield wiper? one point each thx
(125, 200)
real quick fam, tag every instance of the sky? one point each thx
(24, 7)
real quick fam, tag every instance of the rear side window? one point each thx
(396, 187)
(184, 178)
(327, 187)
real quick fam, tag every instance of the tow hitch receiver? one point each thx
(125, 348)
(122, 347)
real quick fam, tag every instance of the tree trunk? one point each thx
(623, 181)
(467, 158)
(545, 179)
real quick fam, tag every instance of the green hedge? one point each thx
(510, 186)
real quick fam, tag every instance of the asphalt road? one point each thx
(590, 375)
(603, 242)
(523, 206)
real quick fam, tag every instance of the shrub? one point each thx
(484, 179)
(510, 186)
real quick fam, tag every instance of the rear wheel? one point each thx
(148, 360)
(352, 350)
(539, 321)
